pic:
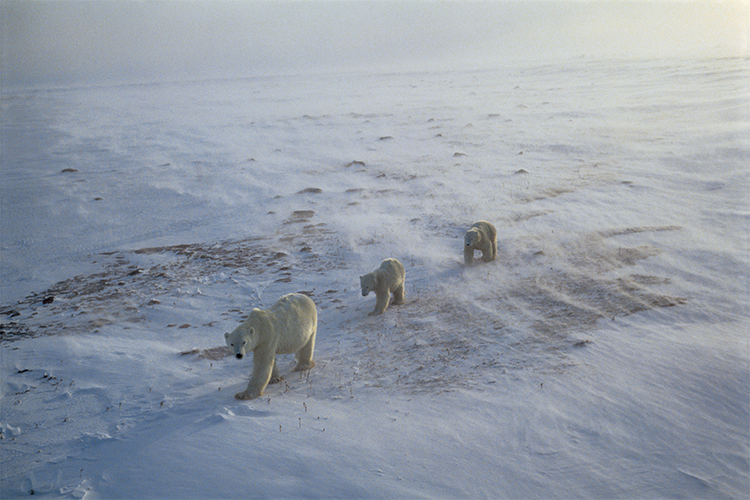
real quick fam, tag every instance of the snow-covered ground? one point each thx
(604, 354)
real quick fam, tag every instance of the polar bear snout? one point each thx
(238, 355)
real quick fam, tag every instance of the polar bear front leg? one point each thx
(275, 377)
(263, 366)
(468, 255)
(249, 393)
(383, 297)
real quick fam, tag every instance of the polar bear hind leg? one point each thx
(304, 356)
(488, 252)
(398, 295)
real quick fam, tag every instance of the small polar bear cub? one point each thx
(388, 278)
(289, 326)
(481, 236)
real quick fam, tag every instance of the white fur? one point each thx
(481, 236)
(388, 278)
(289, 326)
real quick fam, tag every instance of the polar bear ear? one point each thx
(226, 336)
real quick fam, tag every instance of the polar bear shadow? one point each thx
(223, 415)
(219, 416)
(244, 410)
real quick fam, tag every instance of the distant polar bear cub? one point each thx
(289, 326)
(389, 277)
(481, 236)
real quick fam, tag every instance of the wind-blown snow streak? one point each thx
(603, 354)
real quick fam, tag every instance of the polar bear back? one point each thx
(485, 229)
(390, 274)
(295, 320)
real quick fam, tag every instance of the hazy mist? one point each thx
(77, 41)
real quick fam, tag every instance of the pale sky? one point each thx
(68, 41)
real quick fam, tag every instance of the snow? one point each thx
(604, 354)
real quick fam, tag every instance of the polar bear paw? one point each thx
(303, 367)
(244, 395)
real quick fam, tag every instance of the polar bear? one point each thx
(481, 236)
(389, 277)
(289, 326)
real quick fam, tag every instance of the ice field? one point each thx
(604, 354)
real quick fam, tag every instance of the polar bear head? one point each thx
(240, 341)
(368, 282)
(246, 337)
(472, 237)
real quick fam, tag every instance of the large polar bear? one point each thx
(389, 277)
(289, 326)
(481, 236)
